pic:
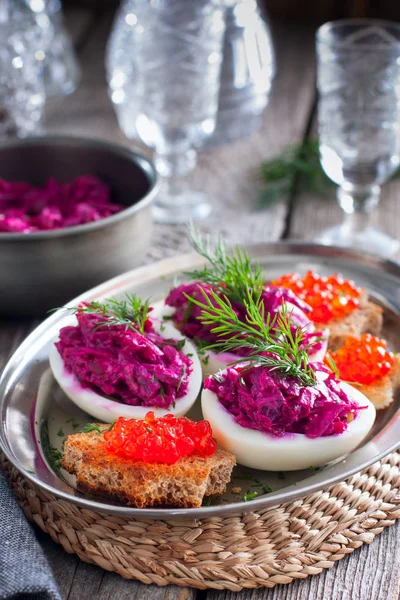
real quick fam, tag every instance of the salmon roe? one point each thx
(329, 297)
(159, 439)
(363, 360)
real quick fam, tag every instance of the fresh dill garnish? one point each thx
(31, 472)
(73, 422)
(249, 496)
(298, 165)
(201, 345)
(132, 312)
(181, 379)
(272, 341)
(91, 427)
(229, 274)
(281, 475)
(60, 433)
(180, 344)
(267, 489)
(332, 364)
(162, 328)
(112, 424)
(207, 502)
(56, 456)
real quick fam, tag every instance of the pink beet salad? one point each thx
(134, 368)
(187, 314)
(25, 208)
(263, 399)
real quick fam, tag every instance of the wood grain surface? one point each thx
(229, 175)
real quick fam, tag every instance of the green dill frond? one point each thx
(131, 312)
(231, 274)
(271, 339)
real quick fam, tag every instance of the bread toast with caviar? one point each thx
(367, 318)
(382, 392)
(183, 484)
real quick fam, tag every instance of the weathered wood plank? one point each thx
(371, 573)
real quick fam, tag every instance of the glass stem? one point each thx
(177, 202)
(358, 202)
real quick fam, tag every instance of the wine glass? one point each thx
(359, 123)
(163, 65)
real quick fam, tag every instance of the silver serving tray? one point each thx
(35, 413)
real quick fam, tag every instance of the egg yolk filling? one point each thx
(134, 368)
(159, 440)
(330, 297)
(260, 398)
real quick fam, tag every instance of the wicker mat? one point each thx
(256, 549)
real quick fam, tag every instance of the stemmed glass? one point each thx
(170, 90)
(359, 123)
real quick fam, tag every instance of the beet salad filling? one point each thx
(263, 399)
(187, 315)
(134, 368)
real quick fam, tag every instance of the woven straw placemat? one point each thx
(256, 549)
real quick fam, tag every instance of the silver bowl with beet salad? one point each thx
(73, 213)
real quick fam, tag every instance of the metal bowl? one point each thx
(43, 270)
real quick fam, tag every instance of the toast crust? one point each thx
(382, 392)
(367, 318)
(183, 484)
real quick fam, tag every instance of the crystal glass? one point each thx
(163, 65)
(61, 72)
(247, 71)
(22, 93)
(359, 123)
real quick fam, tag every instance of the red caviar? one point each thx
(329, 297)
(159, 439)
(363, 360)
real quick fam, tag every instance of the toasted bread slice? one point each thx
(183, 484)
(367, 318)
(383, 391)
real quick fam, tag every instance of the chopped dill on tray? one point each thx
(91, 427)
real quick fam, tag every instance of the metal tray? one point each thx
(36, 415)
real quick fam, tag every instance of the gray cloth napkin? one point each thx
(24, 571)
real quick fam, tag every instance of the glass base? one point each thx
(369, 240)
(181, 208)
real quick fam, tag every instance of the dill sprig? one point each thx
(297, 165)
(230, 274)
(272, 340)
(131, 312)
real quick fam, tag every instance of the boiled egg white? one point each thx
(104, 408)
(291, 452)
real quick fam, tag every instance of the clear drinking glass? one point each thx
(247, 71)
(22, 93)
(359, 123)
(170, 81)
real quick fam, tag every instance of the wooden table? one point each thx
(228, 175)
